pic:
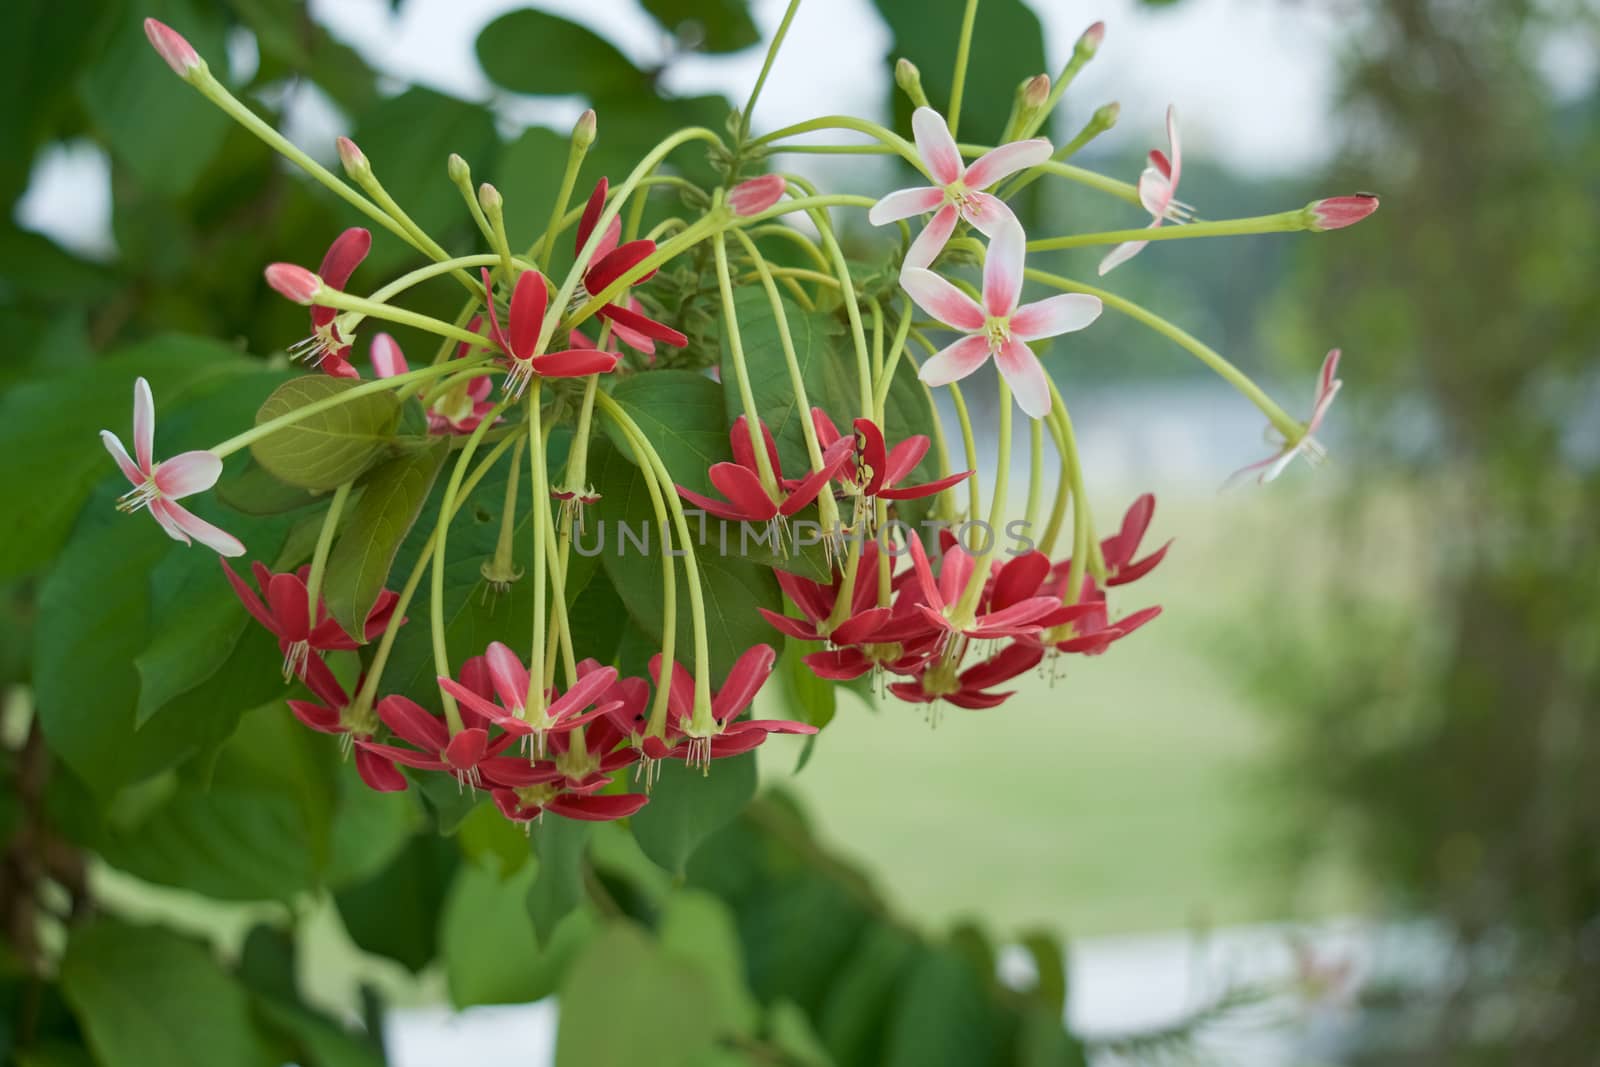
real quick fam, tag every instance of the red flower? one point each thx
(1009, 605)
(817, 601)
(879, 471)
(333, 716)
(509, 680)
(457, 411)
(1085, 627)
(328, 347)
(524, 319)
(435, 748)
(970, 688)
(755, 195)
(1119, 549)
(697, 744)
(610, 262)
(287, 613)
(740, 481)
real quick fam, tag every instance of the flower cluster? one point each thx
(577, 344)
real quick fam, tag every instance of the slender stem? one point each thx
(1098, 123)
(905, 149)
(766, 68)
(1035, 474)
(319, 558)
(741, 374)
(677, 245)
(333, 298)
(809, 203)
(897, 349)
(1207, 355)
(958, 78)
(569, 178)
(852, 307)
(967, 607)
(1058, 507)
(793, 236)
(1282, 222)
(424, 273)
(968, 441)
(541, 499)
(558, 588)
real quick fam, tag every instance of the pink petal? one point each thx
(942, 300)
(1019, 579)
(956, 361)
(904, 203)
(796, 628)
(924, 572)
(756, 195)
(1024, 373)
(414, 723)
(988, 213)
(1328, 385)
(1120, 255)
(1006, 160)
(904, 457)
(584, 692)
(161, 510)
(507, 674)
(387, 359)
(484, 709)
(1175, 166)
(935, 145)
(1054, 315)
(144, 423)
(859, 628)
(171, 46)
(934, 236)
(1002, 270)
(130, 469)
(381, 775)
(187, 473)
(213, 537)
(955, 570)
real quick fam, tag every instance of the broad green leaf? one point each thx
(664, 997)
(48, 432)
(530, 51)
(697, 928)
(686, 807)
(369, 829)
(160, 127)
(255, 491)
(391, 500)
(560, 845)
(858, 1000)
(145, 996)
(942, 1016)
(711, 25)
(333, 446)
(42, 47)
(1050, 964)
(791, 1031)
(396, 912)
(531, 167)
(681, 413)
(490, 839)
(315, 1039)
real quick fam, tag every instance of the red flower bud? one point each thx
(1335, 213)
(756, 195)
(294, 282)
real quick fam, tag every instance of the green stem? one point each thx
(766, 68)
(1082, 519)
(1282, 222)
(880, 397)
(741, 374)
(319, 558)
(328, 297)
(425, 273)
(966, 609)
(958, 78)
(540, 492)
(1035, 474)
(569, 178)
(883, 135)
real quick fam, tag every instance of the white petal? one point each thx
(1054, 315)
(1120, 255)
(904, 203)
(1025, 374)
(215, 538)
(931, 241)
(144, 423)
(129, 468)
(1002, 162)
(387, 359)
(942, 300)
(955, 362)
(187, 473)
(1002, 270)
(935, 145)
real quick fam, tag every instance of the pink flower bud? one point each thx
(756, 195)
(179, 53)
(354, 160)
(1337, 212)
(1089, 43)
(294, 282)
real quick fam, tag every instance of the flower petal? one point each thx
(935, 145)
(130, 469)
(414, 723)
(574, 363)
(344, 256)
(215, 538)
(603, 808)
(144, 423)
(1120, 255)
(934, 236)
(591, 215)
(956, 361)
(381, 775)
(1002, 270)
(749, 673)
(904, 457)
(642, 324)
(1006, 160)
(742, 488)
(904, 203)
(161, 511)
(1025, 374)
(1054, 315)
(507, 674)
(988, 213)
(187, 473)
(618, 263)
(942, 300)
(387, 359)
(528, 302)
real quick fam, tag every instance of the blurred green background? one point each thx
(1375, 691)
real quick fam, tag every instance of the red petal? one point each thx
(414, 723)
(574, 363)
(344, 256)
(743, 489)
(616, 264)
(750, 672)
(644, 325)
(591, 215)
(598, 809)
(528, 302)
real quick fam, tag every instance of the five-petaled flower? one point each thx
(700, 740)
(611, 261)
(1328, 384)
(958, 192)
(520, 339)
(1158, 192)
(740, 481)
(286, 612)
(1119, 549)
(513, 715)
(335, 716)
(158, 486)
(940, 679)
(999, 326)
(879, 471)
(437, 749)
(1009, 604)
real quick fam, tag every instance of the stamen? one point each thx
(140, 496)
(295, 658)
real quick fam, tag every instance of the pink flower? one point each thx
(333, 716)
(727, 737)
(510, 681)
(879, 471)
(524, 319)
(958, 190)
(286, 612)
(1158, 190)
(754, 196)
(1327, 388)
(1337, 212)
(158, 485)
(740, 481)
(999, 326)
(1010, 604)
(631, 325)
(457, 411)
(172, 47)
(327, 347)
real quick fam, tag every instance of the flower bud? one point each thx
(1335, 213)
(584, 133)
(354, 160)
(294, 282)
(1106, 116)
(457, 169)
(489, 199)
(1035, 91)
(756, 195)
(171, 46)
(909, 79)
(1089, 43)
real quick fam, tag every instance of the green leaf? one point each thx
(712, 25)
(665, 1026)
(254, 491)
(396, 912)
(48, 432)
(807, 697)
(697, 928)
(391, 499)
(686, 807)
(859, 998)
(369, 829)
(1050, 963)
(792, 1032)
(155, 123)
(681, 413)
(313, 1039)
(560, 845)
(943, 1015)
(145, 996)
(488, 838)
(530, 51)
(331, 447)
